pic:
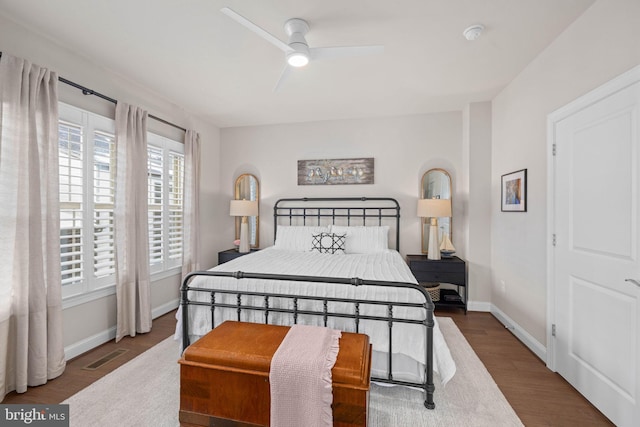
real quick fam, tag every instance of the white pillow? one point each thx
(364, 240)
(296, 238)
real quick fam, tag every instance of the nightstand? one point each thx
(230, 254)
(451, 270)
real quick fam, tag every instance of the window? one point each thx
(155, 172)
(104, 263)
(86, 145)
(71, 201)
(87, 159)
(176, 196)
(165, 177)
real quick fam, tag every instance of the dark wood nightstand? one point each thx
(446, 270)
(230, 254)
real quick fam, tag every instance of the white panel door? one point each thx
(595, 261)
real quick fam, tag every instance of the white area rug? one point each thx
(145, 392)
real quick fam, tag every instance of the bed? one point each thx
(332, 264)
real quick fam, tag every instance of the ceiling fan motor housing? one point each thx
(296, 25)
(296, 29)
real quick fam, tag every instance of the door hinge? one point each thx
(553, 242)
(553, 330)
(553, 149)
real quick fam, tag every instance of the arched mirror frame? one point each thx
(247, 187)
(444, 224)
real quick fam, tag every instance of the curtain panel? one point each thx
(31, 342)
(133, 290)
(191, 203)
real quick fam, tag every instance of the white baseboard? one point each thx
(165, 308)
(479, 306)
(534, 345)
(76, 349)
(528, 340)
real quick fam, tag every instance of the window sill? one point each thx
(105, 291)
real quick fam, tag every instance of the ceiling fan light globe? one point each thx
(297, 59)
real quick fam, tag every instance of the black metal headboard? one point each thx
(338, 211)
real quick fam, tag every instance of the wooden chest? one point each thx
(224, 377)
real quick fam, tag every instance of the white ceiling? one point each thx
(196, 57)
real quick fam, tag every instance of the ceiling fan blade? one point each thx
(344, 52)
(253, 27)
(283, 77)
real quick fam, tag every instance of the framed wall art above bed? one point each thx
(336, 171)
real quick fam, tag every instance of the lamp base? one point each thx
(244, 238)
(434, 248)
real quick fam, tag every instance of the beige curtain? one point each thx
(133, 291)
(191, 203)
(31, 345)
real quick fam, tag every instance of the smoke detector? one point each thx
(473, 32)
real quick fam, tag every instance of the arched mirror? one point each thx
(247, 187)
(436, 183)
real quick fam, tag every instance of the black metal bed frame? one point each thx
(351, 213)
(423, 300)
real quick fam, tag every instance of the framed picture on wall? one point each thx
(514, 191)
(336, 171)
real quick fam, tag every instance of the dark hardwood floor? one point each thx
(75, 378)
(540, 397)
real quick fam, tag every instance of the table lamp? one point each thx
(244, 208)
(434, 209)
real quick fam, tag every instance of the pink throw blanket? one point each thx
(300, 377)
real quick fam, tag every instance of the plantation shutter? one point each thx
(103, 198)
(155, 164)
(176, 193)
(71, 206)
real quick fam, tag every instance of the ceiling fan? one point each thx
(297, 51)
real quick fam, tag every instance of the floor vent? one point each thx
(105, 359)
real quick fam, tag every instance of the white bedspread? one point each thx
(408, 339)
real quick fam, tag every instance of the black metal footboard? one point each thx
(245, 301)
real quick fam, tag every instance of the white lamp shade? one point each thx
(243, 208)
(434, 208)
